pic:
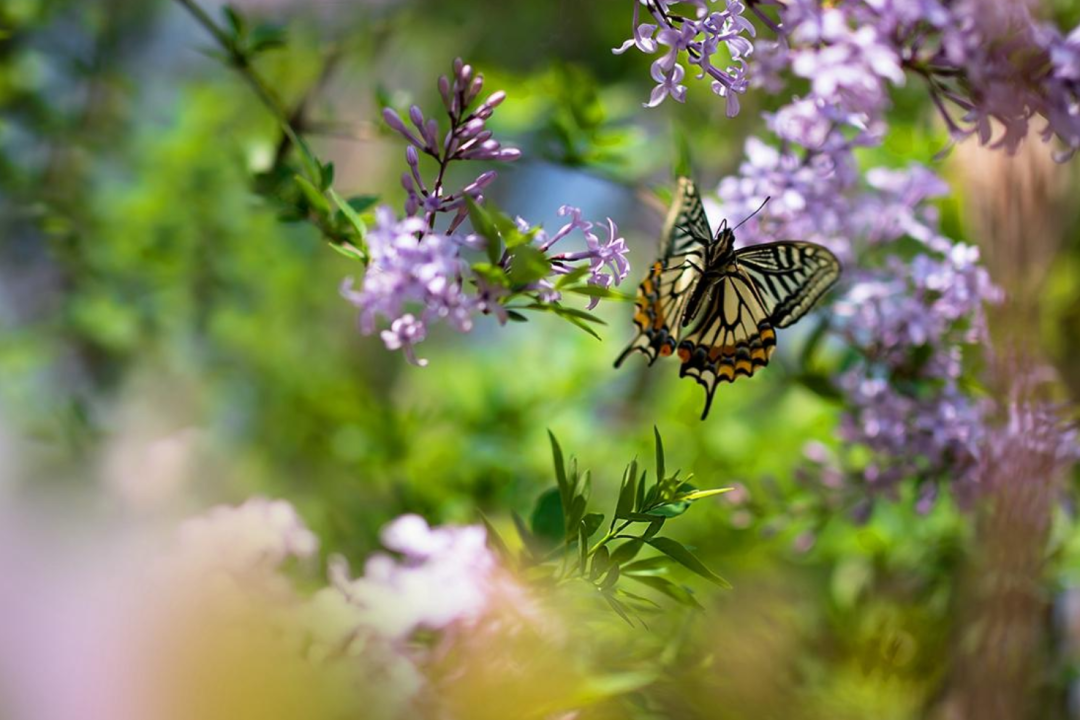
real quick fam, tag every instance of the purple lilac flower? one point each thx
(405, 272)
(417, 275)
(698, 39)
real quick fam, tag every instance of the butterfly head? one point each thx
(723, 243)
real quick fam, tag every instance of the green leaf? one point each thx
(583, 549)
(627, 492)
(527, 265)
(574, 312)
(658, 565)
(484, 226)
(534, 547)
(516, 316)
(669, 510)
(571, 277)
(350, 251)
(495, 541)
(659, 455)
(651, 604)
(493, 274)
(600, 560)
(600, 292)
(560, 472)
(592, 522)
(680, 554)
(618, 608)
(701, 494)
(234, 20)
(314, 196)
(351, 213)
(577, 512)
(548, 522)
(677, 593)
(639, 502)
(611, 578)
(326, 175)
(653, 528)
(626, 552)
(362, 203)
(266, 36)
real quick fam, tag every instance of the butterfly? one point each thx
(717, 308)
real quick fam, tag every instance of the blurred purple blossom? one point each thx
(444, 576)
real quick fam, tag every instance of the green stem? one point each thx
(608, 538)
(241, 63)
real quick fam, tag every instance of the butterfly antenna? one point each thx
(767, 199)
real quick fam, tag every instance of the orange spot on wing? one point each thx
(684, 354)
(665, 350)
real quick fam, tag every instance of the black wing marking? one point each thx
(731, 337)
(789, 276)
(661, 301)
(686, 226)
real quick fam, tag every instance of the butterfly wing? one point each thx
(661, 301)
(731, 336)
(686, 227)
(662, 297)
(789, 276)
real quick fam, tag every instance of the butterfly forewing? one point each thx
(686, 226)
(661, 302)
(789, 276)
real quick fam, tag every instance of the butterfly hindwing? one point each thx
(732, 335)
(789, 276)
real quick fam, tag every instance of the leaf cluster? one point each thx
(557, 545)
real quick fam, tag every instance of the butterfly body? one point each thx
(716, 308)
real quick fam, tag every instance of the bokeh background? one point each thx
(168, 343)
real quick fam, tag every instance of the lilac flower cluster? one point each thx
(418, 274)
(910, 310)
(700, 38)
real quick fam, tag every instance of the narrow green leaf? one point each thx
(516, 316)
(626, 552)
(571, 277)
(326, 176)
(701, 494)
(658, 565)
(611, 578)
(528, 264)
(651, 604)
(618, 608)
(534, 548)
(485, 227)
(600, 292)
(548, 521)
(625, 506)
(560, 472)
(659, 455)
(639, 502)
(592, 522)
(314, 196)
(653, 528)
(669, 510)
(583, 550)
(600, 560)
(577, 512)
(680, 554)
(495, 541)
(662, 585)
(350, 213)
